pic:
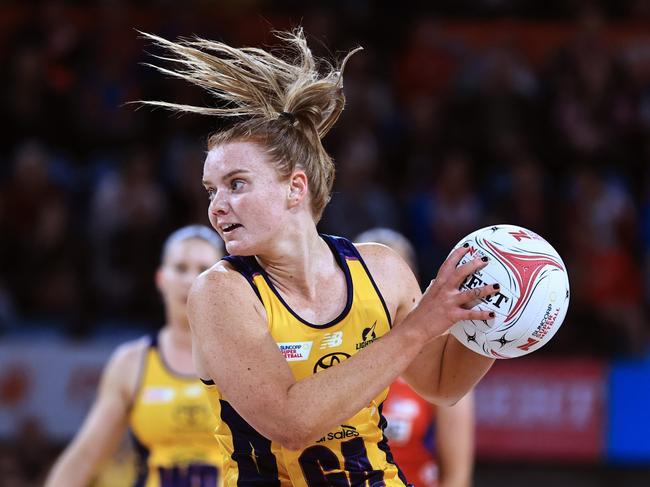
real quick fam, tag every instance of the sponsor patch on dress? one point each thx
(293, 351)
(157, 394)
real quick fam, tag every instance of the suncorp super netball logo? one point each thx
(293, 351)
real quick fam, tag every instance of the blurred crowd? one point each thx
(456, 119)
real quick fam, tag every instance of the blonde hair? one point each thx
(282, 103)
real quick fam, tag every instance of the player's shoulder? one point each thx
(223, 289)
(392, 275)
(129, 355)
(371, 249)
(122, 372)
(381, 259)
(222, 276)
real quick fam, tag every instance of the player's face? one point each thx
(248, 202)
(184, 260)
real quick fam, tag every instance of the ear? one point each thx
(298, 188)
(158, 279)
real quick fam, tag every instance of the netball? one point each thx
(533, 297)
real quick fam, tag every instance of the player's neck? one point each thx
(176, 349)
(178, 334)
(298, 262)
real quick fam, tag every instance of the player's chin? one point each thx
(238, 247)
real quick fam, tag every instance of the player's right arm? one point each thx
(106, 422)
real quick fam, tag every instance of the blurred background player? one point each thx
(434, 446)
(149, 386)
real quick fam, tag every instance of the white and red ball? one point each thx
(533, 297)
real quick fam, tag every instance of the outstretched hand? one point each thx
(443, 304)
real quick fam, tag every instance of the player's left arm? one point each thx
(455, 443)
(445, 370)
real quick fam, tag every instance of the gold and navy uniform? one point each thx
(172, 428)
(356, 452)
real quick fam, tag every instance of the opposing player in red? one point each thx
(434, 446)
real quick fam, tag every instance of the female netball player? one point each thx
(298, 335)
(434, 446)
(150, 386)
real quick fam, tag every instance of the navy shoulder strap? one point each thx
(342, 247)
(247, 267)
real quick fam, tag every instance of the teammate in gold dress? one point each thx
(299, 334)
(150, 386)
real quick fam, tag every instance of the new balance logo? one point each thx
(331, 340)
